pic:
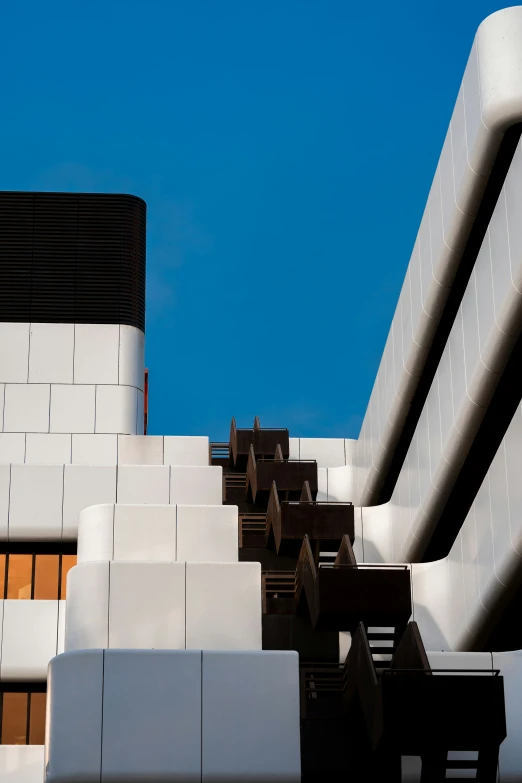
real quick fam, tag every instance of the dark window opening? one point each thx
(22, 713)
(40, 573)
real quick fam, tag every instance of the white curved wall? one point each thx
(485, 330)
(489, 100)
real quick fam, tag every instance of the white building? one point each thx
(171, 609)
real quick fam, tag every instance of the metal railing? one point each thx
(218, 451)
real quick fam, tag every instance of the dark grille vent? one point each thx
(72, 258)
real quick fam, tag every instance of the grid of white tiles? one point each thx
(64, 378)
(43, 502)
(489, 100)
(102, 449)
(485, 330)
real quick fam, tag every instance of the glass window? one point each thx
(37, 719)
(68, 561)
(19, 576)
(46, 577)
(2, 576)
(14, 718)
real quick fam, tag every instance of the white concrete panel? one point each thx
(510, 758)
(377, 533)
(250, 717)
(14, 352)
(501, 503)
(85, 486)
(72, 408)
(131, 357)
(223, 606)
(294, 448)
(143, 484)
(185, 450)
(96, 353)
(467, 541)
(358, 548)
(431, 608)
(207, 534)
(195, 485)
(96, 533)
(94, 449)
(75, 717)
(340, 484)
(160, 741)
(2, 400)
(51, 351)
(44, 448)
(147, 606)
(322, 484)
(36, 502)
(12, 447)
(21, 763)
(140, 449)
(87, 616)
(499, 39)
(29, 638)
(145, 533)
(26, 408)
(329, 452)
(140, 415)
(350, 445)
(116, 408)
(5, 482)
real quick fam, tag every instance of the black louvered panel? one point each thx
(54, 257)
(16, 243)
(100, 248)
(68, 257)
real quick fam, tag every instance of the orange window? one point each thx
(68, 561)
(37, 719)
(2, 576)
(19, 576)
(14, 719)
(46, 577)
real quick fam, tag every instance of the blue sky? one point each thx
(285, 149)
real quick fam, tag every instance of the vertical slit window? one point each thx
(68, 561)
(19, 576)
(14, 718)
(46, 577)
(22, 713)
(3, 571)
(37, 719)
(40, 575)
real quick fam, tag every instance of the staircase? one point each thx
(235, 486)
(252, 530)
(278, 590)
(484, 764)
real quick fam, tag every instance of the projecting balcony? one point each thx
(339, 596)
(410, 709)
(288, 522)
(288, 474)
(264, 441)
